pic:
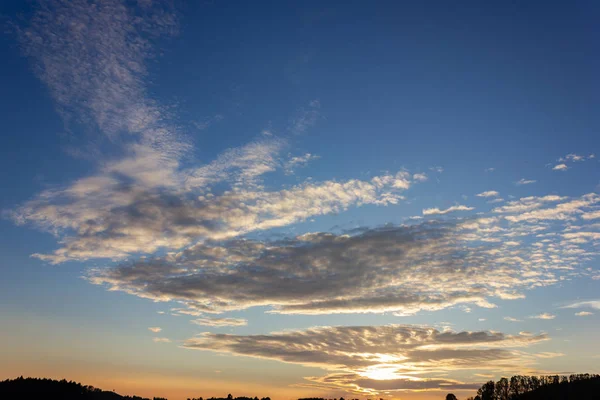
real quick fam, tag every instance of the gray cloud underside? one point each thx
(402, 269)
(409, 355)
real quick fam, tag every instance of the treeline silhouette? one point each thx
(544, 387)
(40, 388)
(519, 387)
(229, 397)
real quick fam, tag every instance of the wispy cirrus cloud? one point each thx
(296, 162)
(545, 315)
(512, 319)
(594, 304)
(572, 157)
(372, 359)
(437, 211)
(524, 181)
(489, 193)
(92, 57)
(212, 321)
(306, 117)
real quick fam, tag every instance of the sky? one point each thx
(293, 199)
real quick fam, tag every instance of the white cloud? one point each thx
(489, 193)
(562, 211)
(591, 215)
(583, 313)
(560, 167)
(594, 304)
(524, 181)
(437, 211)
(420, 177)
(161, 340)
(575, 158)
(298, 162)
(155, 329)
(543, 316)
(491, 169)
(511, 319)
(212, 321)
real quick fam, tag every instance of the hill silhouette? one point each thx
(36, 388)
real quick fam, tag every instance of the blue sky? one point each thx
(335, 171)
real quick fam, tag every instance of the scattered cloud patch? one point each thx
(583, 313)
(560, 167)
(296, 162)
(155, 329)
(489, 193)
(543, 316)
(511, 319)
(211, 321)
(576, 158)
(524, 181)
(437, 211)
(207, 122)
(161, 340)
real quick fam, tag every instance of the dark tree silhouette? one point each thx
(544, 387)
(451, 396)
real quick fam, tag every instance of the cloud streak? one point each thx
(437, 211)
(372, 359)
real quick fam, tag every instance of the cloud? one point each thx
(421, 177)
(543, 316)
(437, 211)
(109, 216)
(92, 57)
(489, 193)
(155, 329)
(380, 358)
(576, 158)
(491, 169)
(560, 167)
(524, 181)
(591, 215)
(161, 340)
(306, 118)
(583, 313)
(562, 211)
(428, 265)
(298, 162)
(207, 122)
(511, 319)
(594, 304)
(211, 321)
